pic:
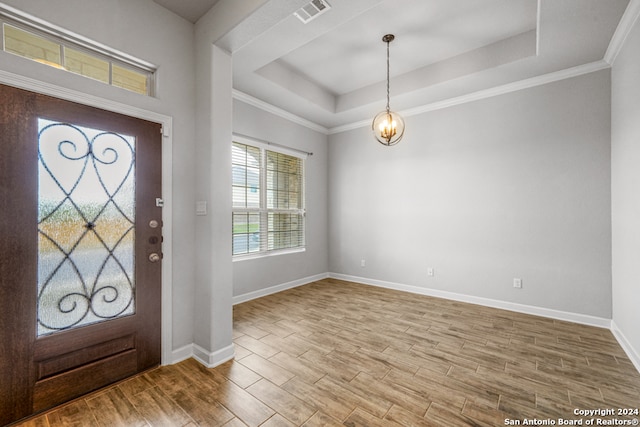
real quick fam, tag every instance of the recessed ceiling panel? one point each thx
(191, 10)
(427, 31)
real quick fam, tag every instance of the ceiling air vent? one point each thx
(312, 10)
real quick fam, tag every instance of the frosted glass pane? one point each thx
(132, 80)
(31, 46)
(86, 216)
(86, 65)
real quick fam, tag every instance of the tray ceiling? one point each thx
(331, 71)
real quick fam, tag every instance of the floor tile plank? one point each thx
(301, 369)
(318, 396)
(238, 373)
(76, 413)
(247, 408)
(203, 408)
(361, 418)
(113, 408)
(320, 419)
(267, 369)
(158, 409)
(283, 402)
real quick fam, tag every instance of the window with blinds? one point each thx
(268, 200)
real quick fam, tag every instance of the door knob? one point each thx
(154, 257)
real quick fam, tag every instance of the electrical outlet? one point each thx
(430, 272)
(362, 263)
(517, 283)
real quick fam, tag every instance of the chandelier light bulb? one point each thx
(388, 127)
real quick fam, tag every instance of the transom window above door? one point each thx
(65, 51)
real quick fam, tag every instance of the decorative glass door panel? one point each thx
(86, 217)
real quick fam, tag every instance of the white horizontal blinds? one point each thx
(268, 200)
(245, 165)
(285, 184)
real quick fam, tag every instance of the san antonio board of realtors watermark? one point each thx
(584, 417)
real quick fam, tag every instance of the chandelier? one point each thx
(388, 126)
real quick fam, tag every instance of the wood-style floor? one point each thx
(338, 353)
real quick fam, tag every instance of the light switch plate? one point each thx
(201, 208)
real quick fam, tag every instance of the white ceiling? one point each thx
(332, 70)
(191, 10)
(353, 54)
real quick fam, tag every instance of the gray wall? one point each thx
(257, 274)
(516, 185)
(625, 165)
(213, 289)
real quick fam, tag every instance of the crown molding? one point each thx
(629, 18)
(463, 99)
(488, 93)
(258, 103)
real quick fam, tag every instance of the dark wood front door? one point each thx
(80, 250)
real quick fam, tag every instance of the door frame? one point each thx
(26, 83)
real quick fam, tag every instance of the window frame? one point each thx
(67, 40)
(263, 210)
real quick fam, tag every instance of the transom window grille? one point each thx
(79, 56)
(268, 200)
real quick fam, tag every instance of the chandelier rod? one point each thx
(388, 39)
(388, 90)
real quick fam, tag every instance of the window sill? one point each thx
(247, 257)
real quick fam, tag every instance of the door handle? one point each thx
(154, 257)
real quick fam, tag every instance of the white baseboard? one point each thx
(504, 305)
(213, 359)
(208, 359)
(632, 354)
(278, 288)
(180, 354)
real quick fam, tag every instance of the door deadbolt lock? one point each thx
(153, 223)
(154, 257)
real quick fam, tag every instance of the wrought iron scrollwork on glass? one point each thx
(86, 218)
